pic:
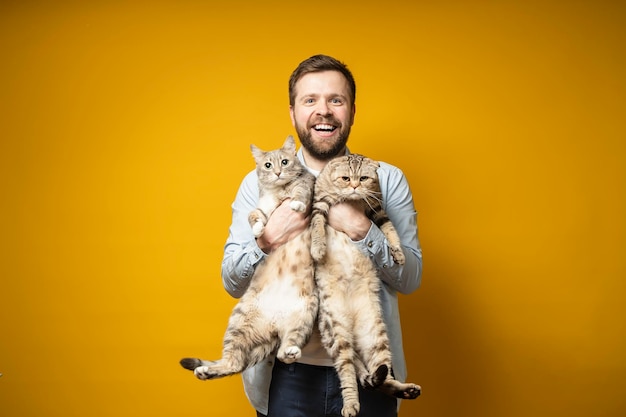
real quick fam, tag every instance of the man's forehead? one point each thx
(326, 82)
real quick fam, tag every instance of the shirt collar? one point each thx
(311, 170)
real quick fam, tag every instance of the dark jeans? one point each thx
(300, 390)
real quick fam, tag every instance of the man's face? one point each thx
(322, 113)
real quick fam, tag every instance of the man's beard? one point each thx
(322, 153)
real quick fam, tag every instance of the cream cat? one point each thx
(278, 310)
(350, 315)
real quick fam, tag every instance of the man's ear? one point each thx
(293, 120)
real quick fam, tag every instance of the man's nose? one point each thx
(323, 109)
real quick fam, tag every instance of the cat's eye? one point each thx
(285, 162)
(364, 178)
(268, 165)
(346, 179)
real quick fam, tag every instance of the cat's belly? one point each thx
(340, 248)
(281, 298)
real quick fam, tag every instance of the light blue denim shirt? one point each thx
(242, 255)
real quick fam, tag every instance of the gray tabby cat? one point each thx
(350, 315)
(278, 310)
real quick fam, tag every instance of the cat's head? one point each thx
(278, 166)
(350, 177)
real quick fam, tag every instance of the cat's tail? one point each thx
(192, 363)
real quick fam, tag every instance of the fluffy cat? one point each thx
(281, 176)
(278, 310)
(350, 315)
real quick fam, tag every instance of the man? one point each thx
(322, 96)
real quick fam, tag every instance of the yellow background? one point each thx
(125, 132)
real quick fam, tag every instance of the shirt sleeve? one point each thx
(398, 203)
(241, 252)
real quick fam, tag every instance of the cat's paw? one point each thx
(404, 390)
(318, 251)
(258, 228)
(350, 408)
(298, 206)
(398, 255)
(411, 392)
(290, 354)
(203, 373)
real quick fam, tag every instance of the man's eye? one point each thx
(309, 101)
(336, 101)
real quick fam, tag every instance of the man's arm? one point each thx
(241, 252)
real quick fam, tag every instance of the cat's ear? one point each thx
(372, 162)
(256, 152)
(290, 145)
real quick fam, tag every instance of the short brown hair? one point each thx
(319, 63)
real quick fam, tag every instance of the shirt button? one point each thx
(370, 244)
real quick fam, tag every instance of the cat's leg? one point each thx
(318, 230)
(395, 246)
(246, 342)
(297, 205)
(370, 332)
(404, 390)
(259, 216)
(374, 349)
(337, 339)
(301, 195)
(235, 359)
(295, 333)
(257, 220)
(228, 364)
(318, 236)
(363, 375)
(379, 374)
(372, 346)
(297, 330)
(297, 322)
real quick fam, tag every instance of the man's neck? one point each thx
(315, 163)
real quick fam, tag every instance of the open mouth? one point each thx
(324, 128)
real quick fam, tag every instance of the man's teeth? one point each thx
(324, 127)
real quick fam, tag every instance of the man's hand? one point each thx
(350, 219)
(283, 225)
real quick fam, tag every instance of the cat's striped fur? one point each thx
(278, 310)
(281, 176)
(350, 315)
